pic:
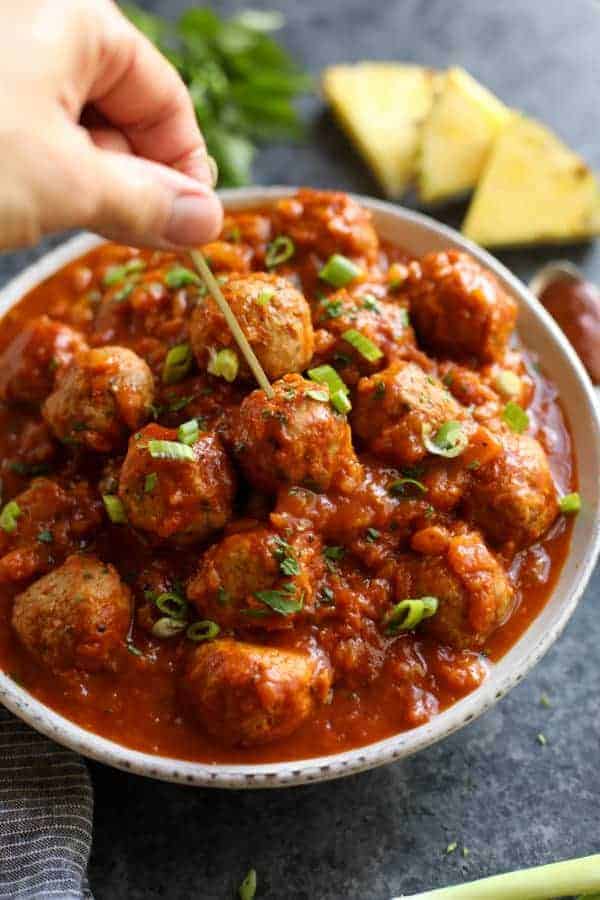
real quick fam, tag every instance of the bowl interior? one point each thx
(418, 234)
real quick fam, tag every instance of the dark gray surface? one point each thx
(492, 787)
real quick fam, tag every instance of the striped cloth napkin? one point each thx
(46, 806)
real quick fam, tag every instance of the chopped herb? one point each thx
(167, 628)
(465, 852)
(339, 271)
(380, 389)
(322, 396)
(508, 384)
(247, 889)
(45, 536)
(179, 404)
(407, 614)
(332, 556)
(188, 432)
(281, 601)
(127, 289)
(338, 391)
(542, 739)
(265, 296)
(180, 276)
(370, 303)
(515, 417)
(372, 535)
(170, 450)
(223, 597)
(367, 349)
(402, 486)
(114, 509)
(9, 515)
(172, 605)
(474, 464)
(332, 308)
(404, 317)
(135, 651)
(234, 235)
(326, 596)
(114, 274)
(279, 251)
(224, 364)
(285, 556)
(150, 482)
(178, 363)
(449, 441)
(202, 631)
(451, 847)
(570, 504)
(545, 701)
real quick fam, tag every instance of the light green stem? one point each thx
(213, 286)
(563, 879)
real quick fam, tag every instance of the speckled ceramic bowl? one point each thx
(418, 234)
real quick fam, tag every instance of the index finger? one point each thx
(139, 92)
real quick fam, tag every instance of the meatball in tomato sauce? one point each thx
(248, 694)
(75, 617)
(102, 395)
(175, 491)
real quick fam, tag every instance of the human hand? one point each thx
(96, 130)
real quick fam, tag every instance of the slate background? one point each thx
(492, 787)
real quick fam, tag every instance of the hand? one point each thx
(97, 131)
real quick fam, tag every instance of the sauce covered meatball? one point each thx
(246, 694)
(295, 438)
(30, 362)
(473, 591)
(183, 498)
(273, 315)
(258, 578)
(76, 617)
(393, 407)
(458, 308)
(513, 497)
(99, 397)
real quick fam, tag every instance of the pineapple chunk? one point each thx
(533, 190)
(457, 136)
(382, 106)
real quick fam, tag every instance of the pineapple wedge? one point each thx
(533, 190)
(382, 106)
(457, 136)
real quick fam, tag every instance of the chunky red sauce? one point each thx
(279, 498)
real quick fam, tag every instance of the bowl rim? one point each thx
(503, 676)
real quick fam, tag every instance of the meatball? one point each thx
(76, 617)
(183, 500)
(383, 323)
(295, 438)
(246, 694)
(28, 364)
(234, 573)
(472, 588)
(273, 315)
(392, 407)
(459, 308)
(513, 497)
(102, 395)
(50, 521)
(325, 222)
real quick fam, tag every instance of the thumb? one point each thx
(136, 201)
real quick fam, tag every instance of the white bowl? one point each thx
(418, 234)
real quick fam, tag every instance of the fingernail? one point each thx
(200, 166)
(214, 170)
(196, 218)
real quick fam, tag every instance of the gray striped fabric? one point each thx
(45, 816)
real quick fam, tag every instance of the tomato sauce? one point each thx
(381, 684)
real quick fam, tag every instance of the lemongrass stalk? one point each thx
(242, 341)
(563, 879)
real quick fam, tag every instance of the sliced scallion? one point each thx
(150, 482)
(224, 364)
(114, 509)
(180, 276)
(279, 251)
(265, 296)
(515, 417)
(178, 363)
(205, 630)
(188, 432)
(170, 450)
(166, 627)
(9, 515)
(401, 486)
(172, 605)
(508, 384)
(117, 273)
(570, 504)
(407, 614)
(247, 889)
(339, 271)
(338, 391)
(449, 441)
(367, 349)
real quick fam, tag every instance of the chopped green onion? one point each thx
(205, 630)
(365, 347)
(332, 308)
(188, 432)
(508, 384)
(114, 509)
(150, 482)
(177, 363)
(323, 396)
(282, 601)
(407, 614)
(372, 535)
(172, 605)
(339, 271)
(286, 557)
(370, 303)
(542, 739)
(279, 251)
(45, 536)
(247, 889)
(265, 296)
(224, 364)
(515, 417)
(570, 504)
(401, 486)
(338, 390)
(117, 273)
(167, 627)
(449, 441)
(170, 450)
(179, 277)
(9, 516)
